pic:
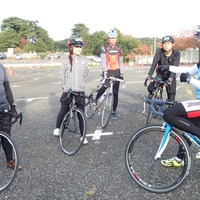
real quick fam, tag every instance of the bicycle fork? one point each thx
(164, 141)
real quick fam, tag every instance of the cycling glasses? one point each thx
(78, 46)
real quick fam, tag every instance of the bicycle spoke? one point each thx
(148, 172)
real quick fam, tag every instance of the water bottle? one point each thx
(103, 96)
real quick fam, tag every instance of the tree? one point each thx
(21, 33)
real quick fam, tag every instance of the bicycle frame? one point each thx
(157, 93)
(167, 127)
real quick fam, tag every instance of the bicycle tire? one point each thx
(89, 110)
(149, 173)
(107, 110)
(149, 117)
(7, 175)
(70, 134)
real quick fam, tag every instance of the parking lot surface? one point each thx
(98, 170)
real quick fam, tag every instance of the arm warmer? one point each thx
(191, 70)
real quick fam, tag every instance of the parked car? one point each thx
(2, 56)
(52, 56)
(18, 57)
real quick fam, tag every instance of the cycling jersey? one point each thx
(112, 59)
(185, 115)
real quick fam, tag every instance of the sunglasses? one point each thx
(78, 46)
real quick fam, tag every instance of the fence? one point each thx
(188, 56)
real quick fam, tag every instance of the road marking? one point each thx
(31, 99)
(97, 134)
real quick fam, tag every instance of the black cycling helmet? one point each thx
(167, 39)
(75, 42)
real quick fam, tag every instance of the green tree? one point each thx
(26, 33)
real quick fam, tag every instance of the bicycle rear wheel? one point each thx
(73, 131)
(107, 109)
(149, 173)
(7, 175)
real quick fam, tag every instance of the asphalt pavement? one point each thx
(98, 170)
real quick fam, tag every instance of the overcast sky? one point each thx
(139, 18)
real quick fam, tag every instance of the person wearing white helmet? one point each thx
(112, 64)
(184, 115)
(73, 76)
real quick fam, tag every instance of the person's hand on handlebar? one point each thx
(13, 110)
(148, 77)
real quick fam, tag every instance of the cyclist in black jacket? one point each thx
(165, 56)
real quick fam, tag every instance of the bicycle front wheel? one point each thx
(149, 173)
(107, 109)
(73, 131)
(89, 110)
(7, 175)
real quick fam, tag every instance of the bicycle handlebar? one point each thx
(160, 102)
(14, 117)
(154, 79)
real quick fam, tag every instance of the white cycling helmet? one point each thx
(112, 34)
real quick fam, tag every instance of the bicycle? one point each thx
(73, 126)
(144, 150)
(156, 94)
(104, 103)
(7, 175)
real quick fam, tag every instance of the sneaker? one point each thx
(56, 132)
(85, 140)
(172, 162)
(197, 155)
(114, 115)
(11, 164)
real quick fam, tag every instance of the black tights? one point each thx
(5, 119)
(177, 116)
(115, 92)
(65, 108)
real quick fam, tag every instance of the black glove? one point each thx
(185, 77)
(148, 77)
(163, 68)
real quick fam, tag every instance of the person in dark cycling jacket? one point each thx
(185, 115)
(6, 103)
(112, 63)
(165, 56)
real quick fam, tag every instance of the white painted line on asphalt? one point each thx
(97, 134)
(31, 99)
